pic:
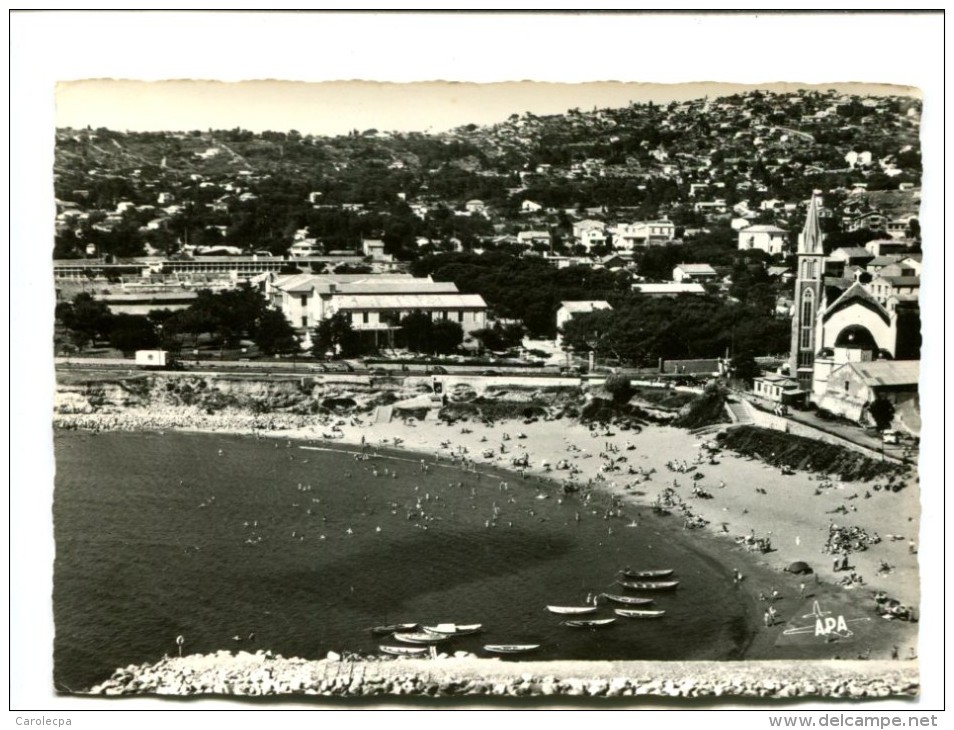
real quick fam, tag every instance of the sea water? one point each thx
(239, 543)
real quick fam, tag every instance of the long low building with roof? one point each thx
(851, 388)
(372, 302)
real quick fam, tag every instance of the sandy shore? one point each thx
(748, 498)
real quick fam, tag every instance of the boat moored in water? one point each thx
(627, 600)
(510, 648)
(647, 574)
(403, 650)
(454, 629)
(392, 628)
(423, 637)
(638, 613)
(571, 610)
(650, 585)
(589, 623)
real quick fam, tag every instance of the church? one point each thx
(849, 347)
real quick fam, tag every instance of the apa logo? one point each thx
(829, 625)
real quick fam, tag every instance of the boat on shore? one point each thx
(627, 600)
(571, 610)
(589, 623)
(647, 574)
(393, 628)
(403, 650)
(661, 585)
(510, 648)
(638, 613)
(423, 637)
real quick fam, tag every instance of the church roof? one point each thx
(856, 294)
(811, 233)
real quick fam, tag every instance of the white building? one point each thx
(693, 272)
(770, 239)
(643, 233)
(372, 301)
(529, 238)
(669, 289)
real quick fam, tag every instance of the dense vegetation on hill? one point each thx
(254, 191)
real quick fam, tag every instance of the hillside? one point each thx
(121, 191)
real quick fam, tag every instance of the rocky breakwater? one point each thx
(265, 674)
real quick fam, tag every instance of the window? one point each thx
(444, 315)
(364, 317)
(460, 316)
(304, 300)
(304, 321)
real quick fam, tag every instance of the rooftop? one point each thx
(670, 288)
(888, 372)
(410, 302)
(586, 306)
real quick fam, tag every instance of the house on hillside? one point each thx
(770, 239)
(694, 272)
(643, 233)
(374, 249)
(841, 260)
(475, 207)
(887, 247)
(531, 238)
(872, 220)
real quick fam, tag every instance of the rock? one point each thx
(333, 656)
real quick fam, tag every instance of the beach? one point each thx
(751, 504)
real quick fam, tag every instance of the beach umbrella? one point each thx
(799, 567)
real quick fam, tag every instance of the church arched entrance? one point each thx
(856, 336)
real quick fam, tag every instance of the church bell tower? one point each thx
(808, 296)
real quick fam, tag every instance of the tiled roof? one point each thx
(888, 372)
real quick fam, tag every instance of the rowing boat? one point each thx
(571, 609)
(510, 648)
(423, 637)
(589, 623)
(404, 650)
(627, 600)
(454, 629)
(636, 613)
(647, 574)
(384, 630)
(659, 585)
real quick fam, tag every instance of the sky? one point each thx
(333, 108)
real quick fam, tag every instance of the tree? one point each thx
(337, 336)
(882, 413)
(500, 336)
(132, 332)
(446, 336)
(87, 316)
(745, 368)
(619, 386)
(274, 335)
(416, 330)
